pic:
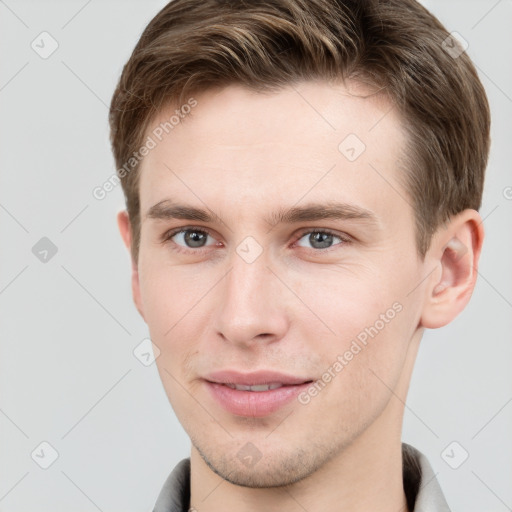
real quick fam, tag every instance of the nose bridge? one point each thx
(251, 306)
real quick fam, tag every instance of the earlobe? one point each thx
(455, 249)
(123, 222)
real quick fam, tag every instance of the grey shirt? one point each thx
(420, 485)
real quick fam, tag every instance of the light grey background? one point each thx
(68, 375)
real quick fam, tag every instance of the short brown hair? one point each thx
(395, 45)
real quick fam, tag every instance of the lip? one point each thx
(254, 404)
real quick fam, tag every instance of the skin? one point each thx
(244, 155)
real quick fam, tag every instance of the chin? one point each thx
(278, 470)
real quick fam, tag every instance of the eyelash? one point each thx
(166, 238)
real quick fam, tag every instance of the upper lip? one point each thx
(254, 378)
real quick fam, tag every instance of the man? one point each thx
(302, 180)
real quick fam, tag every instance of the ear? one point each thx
(123, 222)
(455, 250)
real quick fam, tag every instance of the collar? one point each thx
(421, 487)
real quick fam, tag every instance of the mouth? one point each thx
(255, 394)
(257, 387)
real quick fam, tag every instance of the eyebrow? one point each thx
(167, 210)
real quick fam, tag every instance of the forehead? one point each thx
(240, 148)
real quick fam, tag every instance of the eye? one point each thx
(320, 239)
(193, 239)
(189, 238)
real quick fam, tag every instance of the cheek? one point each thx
(359, 375)
(167, 298)
(179, 392)
(173, 312)
(348, 299)
(370, 316)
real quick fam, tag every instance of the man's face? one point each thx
(248, 293)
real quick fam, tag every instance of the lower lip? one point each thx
(255, 404)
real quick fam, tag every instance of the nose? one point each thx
(252, 306)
